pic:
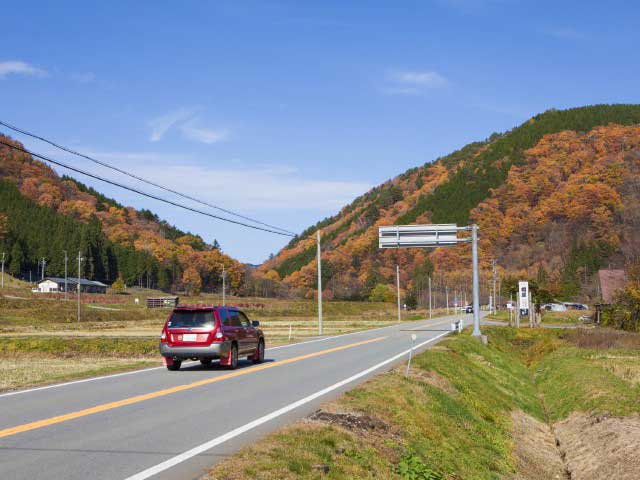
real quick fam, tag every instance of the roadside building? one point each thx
(57, 284)
(611, 282)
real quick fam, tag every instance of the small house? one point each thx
(57, 284)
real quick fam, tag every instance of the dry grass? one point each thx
(534, 449)
(599, 447)
(624, 367)
(24, 371)
(603, 338)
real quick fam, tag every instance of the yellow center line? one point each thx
(168, 391)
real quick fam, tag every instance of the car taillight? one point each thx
(219, 336)
(163, 337)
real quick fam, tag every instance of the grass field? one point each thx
(466, 411)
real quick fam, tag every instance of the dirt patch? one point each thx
(598, 447)
(535, 452)
(432, 378)
(351, 421)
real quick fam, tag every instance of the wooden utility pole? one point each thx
(79, 284)
(430, 302)
(319, 284)
(66, 287)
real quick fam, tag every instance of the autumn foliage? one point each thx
(553, 205)
(176, 260)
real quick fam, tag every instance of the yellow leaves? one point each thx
(272, 275)
(79, 209)
(191, 281)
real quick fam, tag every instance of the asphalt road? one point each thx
(159, 424)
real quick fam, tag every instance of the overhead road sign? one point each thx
(415, 236)
(436, 235)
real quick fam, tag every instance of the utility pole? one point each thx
(224, 286)
(320, 285)
(66, 287)
(44, 263)
(446, 289)
(79, 285)
(511, 311)
(493, 302)
(430, 303)
(476, 281)
(398, 290)
(2, 270)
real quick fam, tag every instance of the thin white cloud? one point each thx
(160, 125)
(15, 67)
(421, 79)
(202, 134)
(413, 82)
(189, 125)
(240, 186)
(263, 188)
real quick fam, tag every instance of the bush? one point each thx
(382, 293)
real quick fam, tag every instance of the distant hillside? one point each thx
(42, 214)
(554, 197)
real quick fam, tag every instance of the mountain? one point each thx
(556, 198)
(42, 214)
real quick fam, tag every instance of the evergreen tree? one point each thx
(17, 257)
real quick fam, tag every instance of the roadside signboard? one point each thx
(523, 297)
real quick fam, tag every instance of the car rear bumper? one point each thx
(215, 350)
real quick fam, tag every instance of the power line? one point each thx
(149, 182)
(140, 192)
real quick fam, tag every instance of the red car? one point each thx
(208, 333)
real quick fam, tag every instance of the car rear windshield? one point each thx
(191, 319)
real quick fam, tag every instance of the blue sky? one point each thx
(286, 111)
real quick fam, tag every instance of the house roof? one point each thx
(74, 281)
(611, 281)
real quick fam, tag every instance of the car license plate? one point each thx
(189, 337)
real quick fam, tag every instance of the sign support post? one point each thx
(398, 288)
(476, 281)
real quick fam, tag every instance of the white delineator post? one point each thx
(398, 290)
(413, 340)
(319, 285)
(2, 286)
(476, 281)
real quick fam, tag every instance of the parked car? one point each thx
(554, 307)
(576, 306)
(210, 333)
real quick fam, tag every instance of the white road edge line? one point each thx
(143, 370)
(161, 467)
